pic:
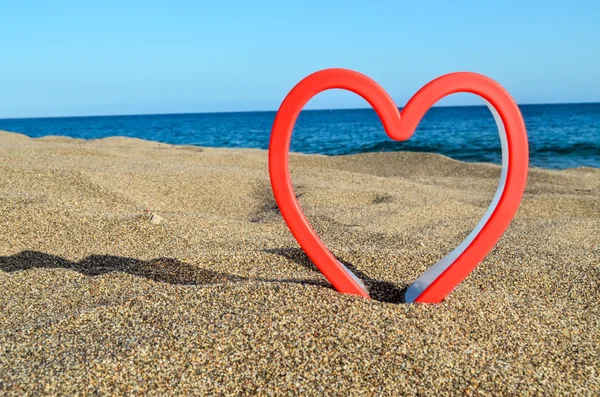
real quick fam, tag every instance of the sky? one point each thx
(73, 58)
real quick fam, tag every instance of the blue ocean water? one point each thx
(560, 136)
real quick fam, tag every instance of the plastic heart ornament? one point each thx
(441, 278)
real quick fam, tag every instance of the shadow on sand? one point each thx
(167, 270)
(173, 271)
(383, 291)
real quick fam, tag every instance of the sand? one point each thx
(133, 267)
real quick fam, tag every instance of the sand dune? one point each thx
(129, 266)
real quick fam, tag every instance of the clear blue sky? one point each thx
(63, 58)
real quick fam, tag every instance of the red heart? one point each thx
(440, 279)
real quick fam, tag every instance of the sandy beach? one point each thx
(134, 267)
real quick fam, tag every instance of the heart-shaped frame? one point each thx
(441, 278)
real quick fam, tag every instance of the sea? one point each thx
(560, 136)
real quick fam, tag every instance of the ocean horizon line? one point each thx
(274, 111)
(560, 135)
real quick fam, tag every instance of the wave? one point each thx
(578, 148)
